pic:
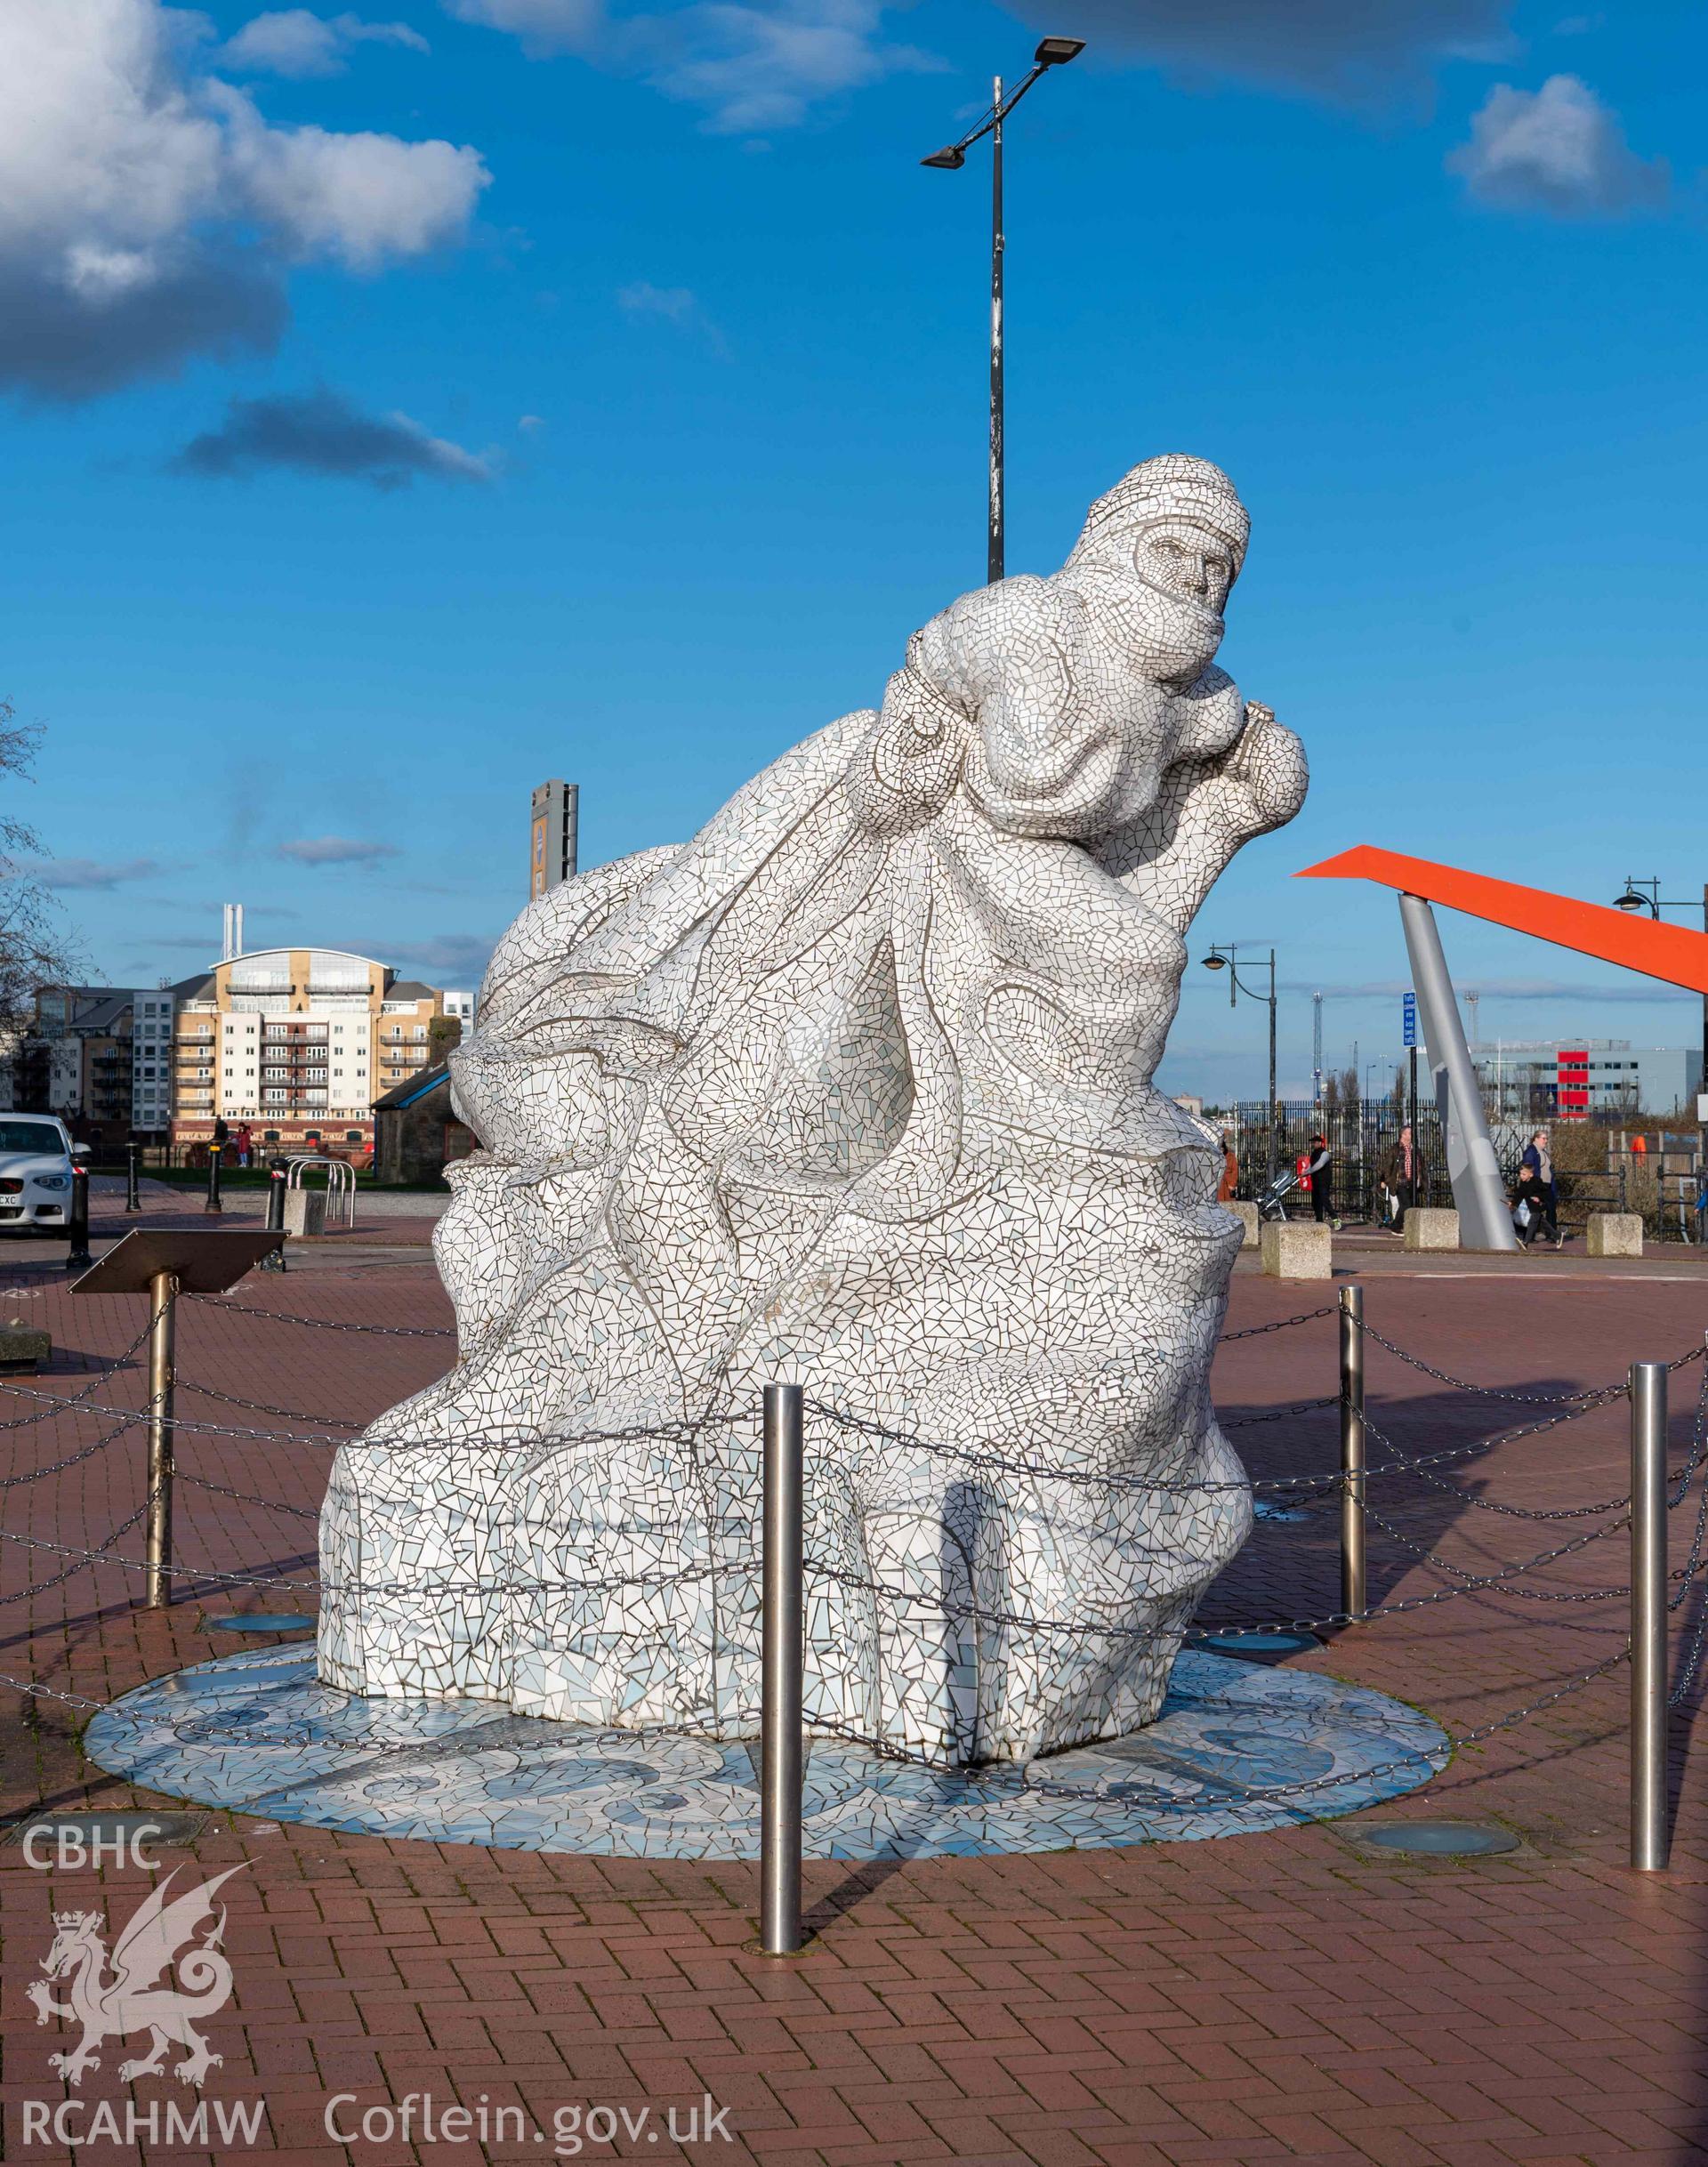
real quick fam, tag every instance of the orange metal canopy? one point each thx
(1670, 952)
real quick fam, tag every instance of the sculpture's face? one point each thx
(1179, 557)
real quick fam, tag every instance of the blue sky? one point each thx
(399, 408)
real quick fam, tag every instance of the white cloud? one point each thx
(1346, 50)
(676, 303)
(91, 872)
(131, 182)
(753, 67)
(544, 25)
(335, 850)
(1558, 150)
(748, 64)
(359, 197)
(673, 304)
(318, 432)
(292, 42)
(458, 958)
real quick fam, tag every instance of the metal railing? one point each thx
(1650, 1593)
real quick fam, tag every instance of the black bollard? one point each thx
(277, 1173)
(132, 1158)
(79, 1260)
(213, 1203)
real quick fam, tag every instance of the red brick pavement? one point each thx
(1283, 1996)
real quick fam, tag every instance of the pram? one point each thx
(1271, 1203)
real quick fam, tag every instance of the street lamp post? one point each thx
(1225, 958)
(1053, 52)
(1653, 902)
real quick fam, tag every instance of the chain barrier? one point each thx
(1595, 1394)
(1462, 1581)
(1278, 1414)
(1516, 1572)
(245, 1497)
(263, 1406)
(1281, 1324)
(64, 1404)
(323, 1323)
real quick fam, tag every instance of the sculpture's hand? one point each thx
(1205, 812)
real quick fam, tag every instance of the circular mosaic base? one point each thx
(256, 1733)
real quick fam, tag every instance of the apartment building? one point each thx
(152, 1008)
(73, 1058)
(298, 1044)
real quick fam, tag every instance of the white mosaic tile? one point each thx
(855, 1088)
(259, 1733)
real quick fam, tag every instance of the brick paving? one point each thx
(1283, 1996)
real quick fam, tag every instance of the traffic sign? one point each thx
(1408, 1017)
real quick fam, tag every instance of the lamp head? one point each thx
(1215, 963)
(1631, 900)
(1057, 51)
(951, 158)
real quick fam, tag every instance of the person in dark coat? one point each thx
(1540, 1189)
(1320, 1167)
(1405, 1175)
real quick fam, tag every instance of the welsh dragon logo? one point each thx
(158, 1939)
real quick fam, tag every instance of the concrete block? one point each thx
(1246, 1214)
(1297, 1249)
(1615, 1233)
(305, 1210)
(22, 1347)
(1426, 1229)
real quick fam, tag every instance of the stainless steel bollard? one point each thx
(779, 1854)
(1649, 1681)
(1352, 1520)
(278, 1174)
(157, 1578)
(78, 1256)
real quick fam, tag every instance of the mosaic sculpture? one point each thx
(855, 1088)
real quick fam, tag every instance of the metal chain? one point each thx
(65, 1403)
(247, 1498)
(1282, 1323)
(263, 1406)
(325, 1324)
(88, 1452)
(1516, 1572)
(82, 1562)
(52, 1693)
(1490, 1392)
(1278, 1414)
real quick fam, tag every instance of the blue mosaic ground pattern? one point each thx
(257, 1732)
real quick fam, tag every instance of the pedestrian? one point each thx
(1403, 1174)
(1229, 1182)
(1319, 1171)
(1539, 1188)
(246, 1142)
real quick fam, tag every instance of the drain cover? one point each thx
(1439, 1838)
(1254, 1647)
(261, 1620)
(71, 1840)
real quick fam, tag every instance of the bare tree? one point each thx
(34, 950)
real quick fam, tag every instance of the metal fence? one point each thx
(1360, 1138)
(1665, 1186)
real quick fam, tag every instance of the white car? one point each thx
(35, 1174)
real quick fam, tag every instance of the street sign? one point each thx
(1408, 1017)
